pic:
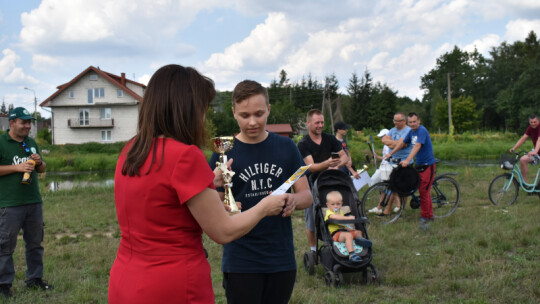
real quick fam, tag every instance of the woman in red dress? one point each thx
(165, 197)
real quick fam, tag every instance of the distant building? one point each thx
(4, 122)
(95, 106)
(281, 129)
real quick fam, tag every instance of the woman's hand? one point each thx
(218, 175)
(273, 204)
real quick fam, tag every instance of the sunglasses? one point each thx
(25, 147)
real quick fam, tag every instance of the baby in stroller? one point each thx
(344, 232)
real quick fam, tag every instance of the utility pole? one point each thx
(450, 128)
(35, 111)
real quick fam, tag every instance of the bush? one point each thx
(45, 135)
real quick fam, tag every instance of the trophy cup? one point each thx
(362, 170)
(222, 145)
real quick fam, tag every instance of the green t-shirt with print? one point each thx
(12, 192)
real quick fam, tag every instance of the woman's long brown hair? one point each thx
(174, 105)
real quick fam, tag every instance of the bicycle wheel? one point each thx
(445, 196)
(380, 194)
(503, 190)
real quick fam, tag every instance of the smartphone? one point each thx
(335, 155)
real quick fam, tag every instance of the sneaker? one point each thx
(423, 223)
(375, 210)
(355, 258)
(5, 289)
(38, 283)
(396, 209)
(365, 243)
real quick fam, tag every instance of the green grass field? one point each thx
(481, 254)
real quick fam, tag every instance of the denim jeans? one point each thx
(30, 219)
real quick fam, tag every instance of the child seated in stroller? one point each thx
(343, 232)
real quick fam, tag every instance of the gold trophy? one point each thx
(359, 171)
(222, 145)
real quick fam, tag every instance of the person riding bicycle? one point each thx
(422, 151)
(531, 157)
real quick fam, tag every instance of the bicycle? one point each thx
(505, 187)
(445, 196)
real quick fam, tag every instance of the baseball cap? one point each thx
(383, 132)
(340, 125)
(21, 113)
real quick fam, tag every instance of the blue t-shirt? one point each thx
(425, 154)
(261, 168)
(396, 135)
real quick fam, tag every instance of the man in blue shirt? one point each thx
(422, 150)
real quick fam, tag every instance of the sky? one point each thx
(46, 43)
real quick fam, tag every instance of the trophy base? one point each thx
(234, 212)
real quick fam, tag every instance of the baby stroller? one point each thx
(337, 262)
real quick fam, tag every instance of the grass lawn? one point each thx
(480, 254)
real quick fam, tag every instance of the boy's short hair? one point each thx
(334, 193)
(247, 88)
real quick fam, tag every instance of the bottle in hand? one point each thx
(27, 176)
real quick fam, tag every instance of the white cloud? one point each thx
(144, 79)
(9, 72)
(44, 62)
(484, 44)
(263, 47)
(80, 26)
(519, 29)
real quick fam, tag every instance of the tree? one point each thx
(220, 114)
(332, 101)
(381, 108)
(360, 92)
(465, 115)
(3, 109)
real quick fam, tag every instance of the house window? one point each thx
(84, 117)
(90, 96)
(99, 92)
(93, 77)
(105, 135)
(71, 94)
(105, 113)
(119, 93)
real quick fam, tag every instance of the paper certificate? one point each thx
(362, 181)
(286, 185)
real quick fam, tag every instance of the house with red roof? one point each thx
(95, 106)
(281, 129)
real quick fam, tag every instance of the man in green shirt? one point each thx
(20, 203)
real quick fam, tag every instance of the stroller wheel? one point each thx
(330, 278)
(309, 262)
(339, 279)
(370, 275)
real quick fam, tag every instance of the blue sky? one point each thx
(46, 43)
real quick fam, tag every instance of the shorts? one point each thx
(381, 174)
(309, 214)
(356, 234)
(535, 159)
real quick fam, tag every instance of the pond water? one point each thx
(54, 181)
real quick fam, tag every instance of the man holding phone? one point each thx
(322, 151)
